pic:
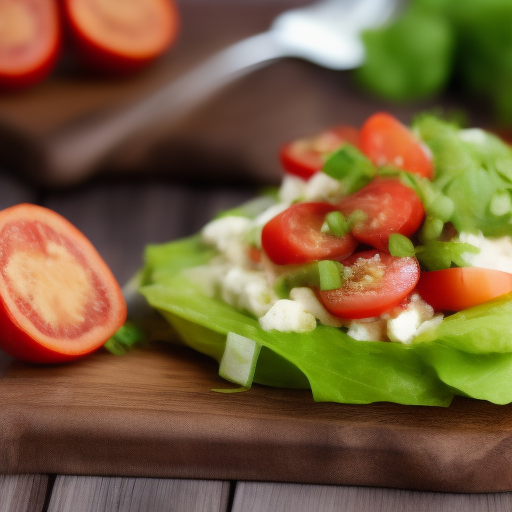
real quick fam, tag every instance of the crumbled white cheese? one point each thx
(406, 326)
(247, 290)
(292, 189)
(322, 187)
(368, 329)
(495, 253)
(310, 304)
(288, 316)
(228, 235)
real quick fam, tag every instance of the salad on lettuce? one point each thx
(380, 271)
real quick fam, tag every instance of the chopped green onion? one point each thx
(239, 360)
(400, 246)
(304, 275)
(330, 273)
(432, 229)
(442, 207)
(500, 203)
(336, 224)
(356, 217)
(351, 167)
(124, 339)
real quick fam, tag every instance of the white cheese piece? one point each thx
(322, 187)
(368, 329)
(292, 189)
(310, 304)
(404, 327)
(287, 316)
(495, 253)
(247, 290)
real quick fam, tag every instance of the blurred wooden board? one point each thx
(153, 413)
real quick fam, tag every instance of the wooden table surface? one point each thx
(120, 217)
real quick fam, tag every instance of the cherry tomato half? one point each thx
(378, 283)
(304, 157)
(294, 236)
(455, 289)
(29, 41)
(121, 35)
(58, 299)
(386, 141)
(389, 206)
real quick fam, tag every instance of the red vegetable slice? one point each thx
(304, 157)
(29, 41)
(455, 289)
(58, 299)
(379, 282)
(389, 206)
(121, 35)
(386, 141)
(294, 236)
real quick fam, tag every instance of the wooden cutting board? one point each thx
(153, 413)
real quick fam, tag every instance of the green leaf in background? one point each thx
(436, 255)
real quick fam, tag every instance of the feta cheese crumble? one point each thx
(495, 253)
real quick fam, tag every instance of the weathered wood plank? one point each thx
(274, 497)
(97, 494)
(22, 493)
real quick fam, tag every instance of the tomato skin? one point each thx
(386, 141)
(455, 289)
(304, 157)
(28, 63)
(395, 279)
(390, 207)
(293, 236)
(97, 49)
(58, 299)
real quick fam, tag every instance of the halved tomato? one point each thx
(375, 283)
(304, 157)
(121, 35)
(386, 141)
(455, 289)
(58, 299)
(389, 206)
(29, 41)
(294, 236)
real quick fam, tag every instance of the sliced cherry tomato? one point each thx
(455, 289)
(386, 141)
(29, 41)
(294, 236)
(389, 206)
(304, 157)
(58, 299)
(121, 35)
(377, 284)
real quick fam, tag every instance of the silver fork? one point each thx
(326, 33)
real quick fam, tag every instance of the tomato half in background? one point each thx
(294, 236)
(390, 207)
(455, 289)
(386, 141)
(378, 283)
(29, 41)
(58, 299)
(121, 35)
(304, 157)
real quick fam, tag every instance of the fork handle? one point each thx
(73, 153)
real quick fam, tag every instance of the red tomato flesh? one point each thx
(294, 236)
(378, 283)
(455, 289)
(389, 206)
(29, 41)
(305, 157)
(121, 35)
(386, 141)
(59, 300)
